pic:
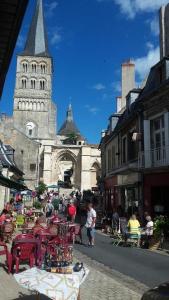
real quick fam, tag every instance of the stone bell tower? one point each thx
(34, 112)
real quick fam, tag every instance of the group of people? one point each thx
(133, 226)
(69, 206)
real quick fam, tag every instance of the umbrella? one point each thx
(53, 186)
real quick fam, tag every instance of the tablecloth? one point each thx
(54, 286)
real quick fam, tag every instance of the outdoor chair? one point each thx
(24, 236)
(4, 251)
(22, 252)
(7, 231)
(133, 240)
(118, 239)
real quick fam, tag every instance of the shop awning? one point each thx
(4, 181)
(11, 16)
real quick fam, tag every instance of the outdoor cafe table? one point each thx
(54, 286)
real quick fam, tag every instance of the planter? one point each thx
(154, 243)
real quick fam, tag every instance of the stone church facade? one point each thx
(41, 152)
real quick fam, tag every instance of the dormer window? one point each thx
(33, 83)
(34, 68)
(43, 68)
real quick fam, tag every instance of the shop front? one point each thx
(129, 193)
(156, 194)
(110, 194)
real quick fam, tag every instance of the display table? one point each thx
(55, 286)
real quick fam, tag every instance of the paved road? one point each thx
(144, 266)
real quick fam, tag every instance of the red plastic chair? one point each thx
(24, 236)
(23, 252)
(4, 251)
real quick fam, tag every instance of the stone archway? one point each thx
(67, 168)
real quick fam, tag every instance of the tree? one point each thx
(71, 139)
(41, 188)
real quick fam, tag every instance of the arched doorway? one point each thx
(67, 169)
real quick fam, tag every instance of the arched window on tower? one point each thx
(24, 83)
(34, 68)
(25, 67)
(30, 129)
(33, 83)
(42, 84)
(43, 68)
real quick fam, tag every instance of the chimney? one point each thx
(164, 31)
(128, 80)
(119, 103)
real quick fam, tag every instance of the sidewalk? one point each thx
(99, 285)
(105, 284)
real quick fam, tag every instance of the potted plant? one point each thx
(161, 229)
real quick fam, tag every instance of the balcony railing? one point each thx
(154, 158)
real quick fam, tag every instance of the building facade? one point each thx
(42, 152)
(135, 147)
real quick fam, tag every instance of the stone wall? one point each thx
(26, 150)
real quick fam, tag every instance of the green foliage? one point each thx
(71, 139)
(41, 188)
(37, 205)
(55, 203)
(161, 226)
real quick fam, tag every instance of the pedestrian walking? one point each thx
(49, 209)
(90, 224)
(71, 211)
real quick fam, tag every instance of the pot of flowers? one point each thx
(160, 228)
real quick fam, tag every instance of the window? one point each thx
(34, 67)
(25, 67)
(113, 156)
(33, 83)
(42, 84)
(43, 68)
(132, 146)
(157, 130)
(30, 129)
(109, 158)
(124, 150)
(30, 132)
(24, 83)
(32, 167)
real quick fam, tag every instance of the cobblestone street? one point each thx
(100, 284)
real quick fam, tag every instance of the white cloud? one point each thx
(154, 26)
(92, 109)
(149, 45)
(56, 38)
(50, 8)
(99, 87)
(116, 86)
(143, 64)
(20, 41)
(132, 7)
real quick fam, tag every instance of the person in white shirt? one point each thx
(149, 226)
(90, 223)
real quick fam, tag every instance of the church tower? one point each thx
(34, 111)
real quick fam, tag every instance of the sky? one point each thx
(89, 40)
